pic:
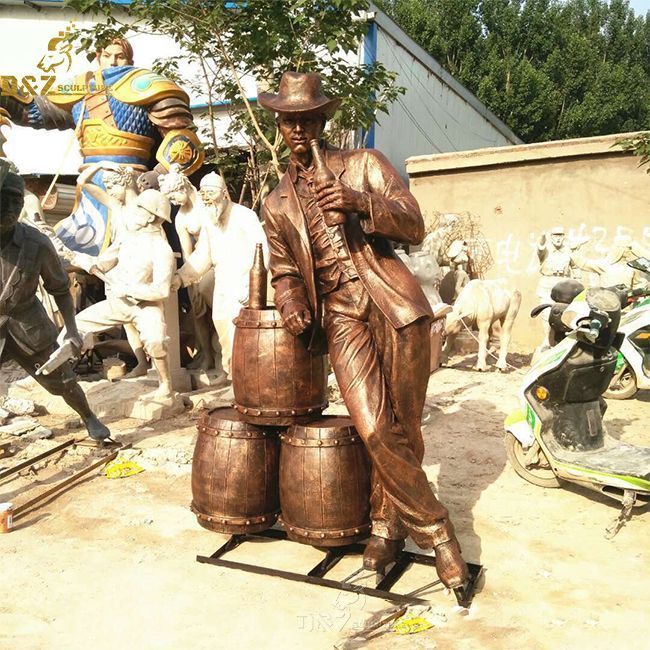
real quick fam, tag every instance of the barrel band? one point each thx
(217, 518)
(336, 533)
(248, 324)
(325, 442)
(271, 413)
(209, 430)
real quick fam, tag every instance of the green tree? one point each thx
(228, 41)
(550, 69)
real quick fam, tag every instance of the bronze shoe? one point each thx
(380, 552)
(450, 566)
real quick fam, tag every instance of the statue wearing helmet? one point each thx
(141, 264)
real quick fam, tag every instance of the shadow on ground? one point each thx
(467, 445)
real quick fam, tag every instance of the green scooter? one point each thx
(558, 434)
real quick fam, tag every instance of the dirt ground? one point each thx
(111, 563)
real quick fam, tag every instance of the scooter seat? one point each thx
(613, 459)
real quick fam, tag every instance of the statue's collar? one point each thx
(19, 234)
(113, 75)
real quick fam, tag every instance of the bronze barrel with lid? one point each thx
(325, 483)
(235, 474)
(275, 379)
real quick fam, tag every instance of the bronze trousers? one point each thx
(383, 374)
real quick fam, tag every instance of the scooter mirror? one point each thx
(536, 311)
(640, 264)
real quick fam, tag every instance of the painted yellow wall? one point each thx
(588, 185)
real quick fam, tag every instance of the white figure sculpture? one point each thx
(434, 242)
(558, 259)
(456, 259)
(120, 183)
(190, 221)
(226, 245)
(425, 268)
(616, 270)
(120, 193)
(142, 264)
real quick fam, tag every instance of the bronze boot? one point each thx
(450, 566)
(380, 552)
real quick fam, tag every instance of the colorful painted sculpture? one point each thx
(121, 113)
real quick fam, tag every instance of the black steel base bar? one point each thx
(332, 557)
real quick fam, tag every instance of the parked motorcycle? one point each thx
(632, 371)
(558, 434)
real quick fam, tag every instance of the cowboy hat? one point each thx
(299, 92)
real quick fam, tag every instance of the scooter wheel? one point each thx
(537, 475)
(624, 387)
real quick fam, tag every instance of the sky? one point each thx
(640, 6)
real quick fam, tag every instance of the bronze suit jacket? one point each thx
(394, 215)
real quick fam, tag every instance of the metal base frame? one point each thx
(316, 576)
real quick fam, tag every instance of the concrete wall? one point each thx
(587, 185)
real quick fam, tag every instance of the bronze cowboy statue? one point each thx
(337, 279)
(27, 335)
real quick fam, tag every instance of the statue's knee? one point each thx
(59, 385)
(156, 349)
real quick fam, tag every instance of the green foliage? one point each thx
(550, 69)
(640, 146)
(263, 39)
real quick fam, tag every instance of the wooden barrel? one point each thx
(275, 379)
(325, 483)
(235, 474)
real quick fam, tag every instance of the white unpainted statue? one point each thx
(424, 267)
(559, 259)
(615, 268)
(119, 196)
(190, 221)
(481, 305)
(456, 259)
(434, 242)
(226, 245)
(142, 264)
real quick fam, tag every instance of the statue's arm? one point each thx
(580, 261)
(542, 248)
(184, 237)
(103, 262)
(393, 211)
(199, 262)
(286, 279)
(37, 113)
(101, 195)
(173, 118)
(57, 284)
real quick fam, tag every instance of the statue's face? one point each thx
(216, 196)
(138, 218)
(11, 205)
(298, 129)
(557, 240)
(112, 56)
(116, 191)
(177, 197)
